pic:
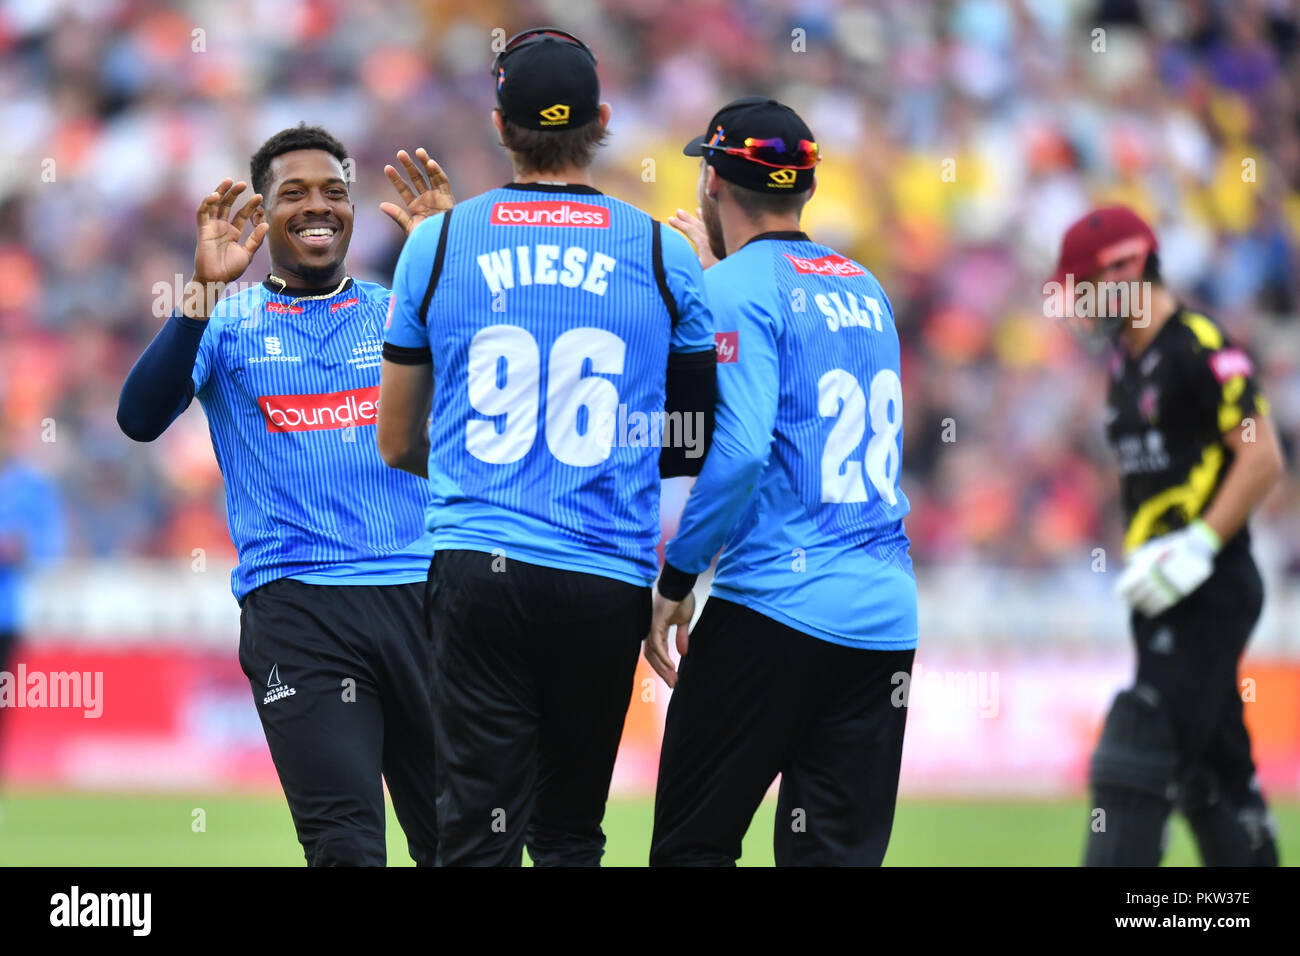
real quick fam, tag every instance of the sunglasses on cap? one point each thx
(770, 152)
(532, 36)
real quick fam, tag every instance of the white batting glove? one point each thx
(1166, 569)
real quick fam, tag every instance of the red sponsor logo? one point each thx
(727, 345)
(1229, 363)
(346, 303)
(550, 213)
(310, 413)
(831, 265)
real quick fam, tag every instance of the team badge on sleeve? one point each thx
(727, 345)
(1229, 363)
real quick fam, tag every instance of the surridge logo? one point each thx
(273, 346)
(550, 213)
(557, 115)
(782, 178)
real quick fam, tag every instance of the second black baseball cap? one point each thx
(760, 144)
(546, 80)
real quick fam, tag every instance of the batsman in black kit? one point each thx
(1197, 453)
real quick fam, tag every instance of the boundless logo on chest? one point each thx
(307, 413)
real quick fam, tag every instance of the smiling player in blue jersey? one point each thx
(331, 554)
(538, 318)
(811, 626)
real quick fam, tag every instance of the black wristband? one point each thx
(675, 584)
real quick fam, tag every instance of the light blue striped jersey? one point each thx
(549, 338)
(290, 390)
(802, 479)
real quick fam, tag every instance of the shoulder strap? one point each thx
(661, 274)
(437, 267)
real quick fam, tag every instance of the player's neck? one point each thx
(1161, 308)
(568, 176)
(738, 228)
(297, 282)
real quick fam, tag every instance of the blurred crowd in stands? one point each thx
(960, 139)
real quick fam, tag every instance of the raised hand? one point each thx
(431, 193)
(219, 256)
(693, 228)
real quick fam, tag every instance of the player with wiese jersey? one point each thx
(811, 623)
(332, 561)
(531, 316)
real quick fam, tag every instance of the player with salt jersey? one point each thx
(563, 340)
(799, 662)
(332, 556)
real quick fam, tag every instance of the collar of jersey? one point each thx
(555, 188)
(291, 293)
(1175, 317)
(792, 235)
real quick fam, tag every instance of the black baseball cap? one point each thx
(546, 80)
(760, 144)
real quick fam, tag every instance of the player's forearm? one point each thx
(412, 457)
(716, 503)
(403, 440)
(405, 401)
(159, 385)
(1255, 468)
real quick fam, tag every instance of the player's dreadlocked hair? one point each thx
(301, 136)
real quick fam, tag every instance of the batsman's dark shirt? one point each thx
(1167, 412)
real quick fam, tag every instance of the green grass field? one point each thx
(91, 829)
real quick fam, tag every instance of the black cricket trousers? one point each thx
(532, 677)
(755, 698)
(340, 676)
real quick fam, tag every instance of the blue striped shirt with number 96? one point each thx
(546, 311)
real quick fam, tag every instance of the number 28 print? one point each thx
(839, 396)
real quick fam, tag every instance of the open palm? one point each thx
(219, 255)
(431, 193)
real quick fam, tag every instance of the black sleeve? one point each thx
(402, 355)
(159, 386)
(690, 397)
